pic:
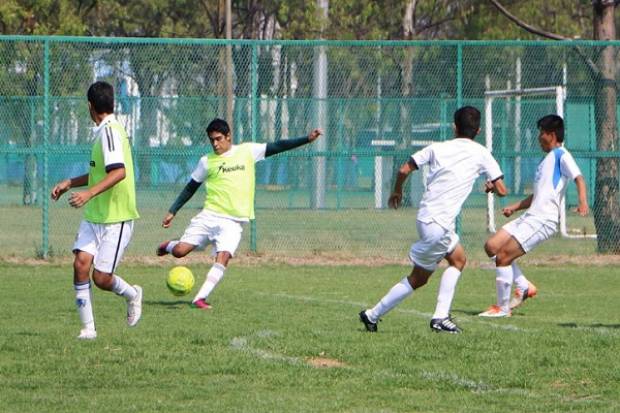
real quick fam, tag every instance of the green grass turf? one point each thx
(249, 354)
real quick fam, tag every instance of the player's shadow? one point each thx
(467, 312)
(476, 312)
(171, 305)
(596, 325)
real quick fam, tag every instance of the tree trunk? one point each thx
(407, 76)
(606, 204)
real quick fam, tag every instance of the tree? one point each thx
(603, 68)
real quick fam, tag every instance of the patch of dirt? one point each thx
(325, 259)
(324, 362)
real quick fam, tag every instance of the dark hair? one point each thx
(467, 121)
(218, 125)
(101, 97)
(552, 123)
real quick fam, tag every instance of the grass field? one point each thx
(273, 328)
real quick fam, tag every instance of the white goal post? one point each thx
(489, 96)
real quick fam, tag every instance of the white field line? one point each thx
(471, 385)
(241, 343)
(508, 327)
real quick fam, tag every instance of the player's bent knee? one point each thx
(490, 248)
(81, 266)
(103, 280)
(182, 249)
(502, 259)
(460, 263)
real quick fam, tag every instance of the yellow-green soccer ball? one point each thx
(180, 281)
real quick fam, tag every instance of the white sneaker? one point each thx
(134, 308)
(87, 334)
(495, 311)
(521, 296)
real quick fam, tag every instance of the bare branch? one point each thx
(591, 65)
(526, 26)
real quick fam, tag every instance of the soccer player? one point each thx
(539, 222)
(110, 209)
(454, 166)
(228, 173)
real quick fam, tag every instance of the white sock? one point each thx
(84, 304)
(503, 283)
(171, 246)
(122, 288)
(397, 294)
(214, 276)
(447, 286)
(518, 278)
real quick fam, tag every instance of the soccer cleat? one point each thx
(444, 325)
(521, 296)
(370, 326)
(161, 250)
(134, 308)
(495, 311)
(87, 334)
(202, 304)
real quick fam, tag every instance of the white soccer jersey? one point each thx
(553, 174)
(200, 173)
(454, 167)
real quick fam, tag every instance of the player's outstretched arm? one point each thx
(63, 186)
(283, 145)
(186, 194)
(403, 172)
(582, 208)
(523, 204)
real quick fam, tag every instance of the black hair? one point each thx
(101, 97)
(218, 125)
(552, 123)
(467, 121)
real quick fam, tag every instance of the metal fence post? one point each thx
(46, 134)
(254, 110)
(459, 103)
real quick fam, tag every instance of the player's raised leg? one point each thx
(177, 248)
(507, 253)
(524, 289)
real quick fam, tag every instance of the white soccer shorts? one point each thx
(434, 244)
(206, 228)
(529, 230)
(105, 242)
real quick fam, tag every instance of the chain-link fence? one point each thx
(378, 102)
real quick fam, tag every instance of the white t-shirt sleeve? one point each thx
(258, 151)
(113, 157)
(491, 167)
(200, 173)
(568, 166)
(423, 156)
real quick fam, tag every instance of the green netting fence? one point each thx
(378, 102)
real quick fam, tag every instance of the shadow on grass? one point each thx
(170, 304)
(597, 325)
(476, 312)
